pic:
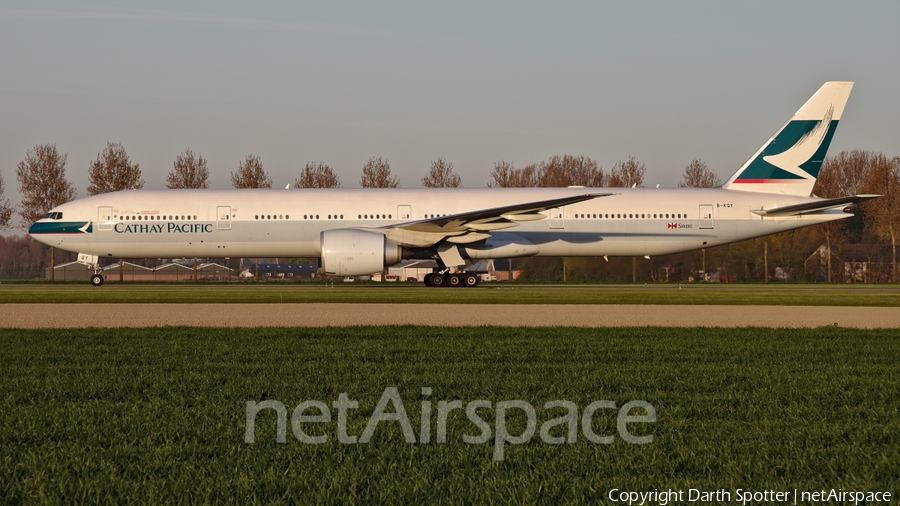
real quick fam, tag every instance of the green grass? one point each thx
(401, 293)
(157, 415)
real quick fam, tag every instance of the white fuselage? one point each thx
(288, 223)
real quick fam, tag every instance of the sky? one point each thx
(472, 82)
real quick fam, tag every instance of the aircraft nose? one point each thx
(35, 232)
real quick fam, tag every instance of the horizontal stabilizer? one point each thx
(817, 205)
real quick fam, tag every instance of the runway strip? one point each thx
(320, 315)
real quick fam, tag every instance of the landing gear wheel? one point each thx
(427, 279)
(454, 280)
(438, 279)
(96, 280)
(470, 280)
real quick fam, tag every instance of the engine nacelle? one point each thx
(349, 252)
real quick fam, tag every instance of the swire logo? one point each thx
(671, 226)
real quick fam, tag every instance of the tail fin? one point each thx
(789, 162)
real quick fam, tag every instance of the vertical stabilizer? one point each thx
(789, 162)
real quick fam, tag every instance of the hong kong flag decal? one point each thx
(673, 225)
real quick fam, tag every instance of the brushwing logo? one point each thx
(803, 150)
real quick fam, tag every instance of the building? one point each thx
(280, 272)
(127, 271)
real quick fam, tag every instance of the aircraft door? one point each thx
(404, 213)
(104, 218)
(706, 216)
(223, 218)
(557, 218)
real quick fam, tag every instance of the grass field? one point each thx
(142, 293)
(158, 415)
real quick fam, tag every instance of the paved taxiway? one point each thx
(532, 315)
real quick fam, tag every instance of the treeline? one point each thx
(809, 254)
(21, 257)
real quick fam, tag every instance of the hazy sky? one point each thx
(473, 82)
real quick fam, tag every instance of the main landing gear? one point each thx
(464, 279)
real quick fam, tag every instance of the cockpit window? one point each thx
(53, 216)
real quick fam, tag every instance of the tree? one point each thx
(628, 173)
(698, 175)
(883, 178)
(851, 168)
(376, 173)
(113, 171)
(441, 175)
(842, 175)
(6, 210)
(568, 170)
(42, 182)
(43, 185)
(251, 174)
(829, 184)
(506, 175)
(188, 172)
(318, 175)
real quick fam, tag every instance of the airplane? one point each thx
(362, 231)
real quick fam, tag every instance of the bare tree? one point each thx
(251, 174)
(113, 171)
(568, 170)
(698, 175)
(506, 175)
(830, 184)
(43, 186)
(627, 173)
(883, 178)
(188, 171)
(376, 173)
(6, 210)
(42, 182)
(841, 175)
(852, 169)
(318, 175)
(500, 176)
(441, 175)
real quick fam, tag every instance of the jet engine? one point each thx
(349, 252)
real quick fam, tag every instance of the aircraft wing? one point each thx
(816, 205)
(471, 226)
